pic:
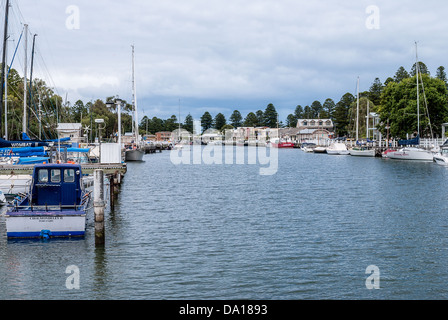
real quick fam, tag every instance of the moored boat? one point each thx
(337, 148)
(411, 153)
(320, 150)
(134, 154)
(362, 152)
(55, 205)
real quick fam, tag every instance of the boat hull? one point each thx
(441, 160)
(134, 155)
(27, 225)
(283, 145)
(362, 153)
(411, 154)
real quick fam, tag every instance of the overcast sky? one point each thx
(219, 56)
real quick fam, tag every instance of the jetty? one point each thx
(87, 168)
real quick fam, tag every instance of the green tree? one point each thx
(260, 117)
(307, 113)
(316, 109)
(188, 123)
(236, 119)
(291, 121)
(328, 109)
(423, 69)
(375, 91)
(251, 120)
(219, 121)
(206, 121)
(298, 112)
(441, 74)
(341, 114)
(270, 116)
(171, 124)
(399, 106)
(401, 74)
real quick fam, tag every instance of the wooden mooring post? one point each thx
(99, 205)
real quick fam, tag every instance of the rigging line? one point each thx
(13, 57)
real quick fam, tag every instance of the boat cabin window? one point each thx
(43, 176)
(56, 175)
(69, 175)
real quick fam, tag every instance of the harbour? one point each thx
(307, 232)
(219, 152)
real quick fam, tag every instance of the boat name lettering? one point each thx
(45, 219)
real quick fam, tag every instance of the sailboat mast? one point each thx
(418, 90)
(357, 114)
(25, 83)
(134, 97)
(3, 74)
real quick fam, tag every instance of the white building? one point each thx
(72, 131)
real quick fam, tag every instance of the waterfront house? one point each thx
(326, 124)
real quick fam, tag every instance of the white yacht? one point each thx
(337, 148)
(412, 153)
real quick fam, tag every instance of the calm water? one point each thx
(226, 232)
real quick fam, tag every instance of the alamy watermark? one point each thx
(373, 20)
(373, 280)
(73, 21)
(73, 280)
(211, 148)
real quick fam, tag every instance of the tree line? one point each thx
(395, 102)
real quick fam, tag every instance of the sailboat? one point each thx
(359, 150)
(136, 152)
(411, 149)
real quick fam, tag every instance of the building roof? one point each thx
(69, 126)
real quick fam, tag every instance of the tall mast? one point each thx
(25, 83)
(31, 72)
(134, 97)
(418, 89)
(4, 71)
(357, 114)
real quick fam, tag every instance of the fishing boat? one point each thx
(281, 144)
(337, 148)
(55, 205)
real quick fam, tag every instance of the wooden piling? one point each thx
(99, 205)
(112, 191)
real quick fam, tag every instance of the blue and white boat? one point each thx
(55, 206)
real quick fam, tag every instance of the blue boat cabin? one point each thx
(57, 185)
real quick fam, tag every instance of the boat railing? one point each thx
(33, 207)
(41, 208)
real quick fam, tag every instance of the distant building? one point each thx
(318, 135)
(163, 136)
(326, 124)
(72, 131)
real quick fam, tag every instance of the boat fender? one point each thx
(45, 234)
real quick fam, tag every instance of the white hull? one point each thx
(338, 149)
(307, 149)
(441, 160)
(415, 154)
(362, 153)
(33, 225)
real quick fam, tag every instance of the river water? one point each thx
(226, 232)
